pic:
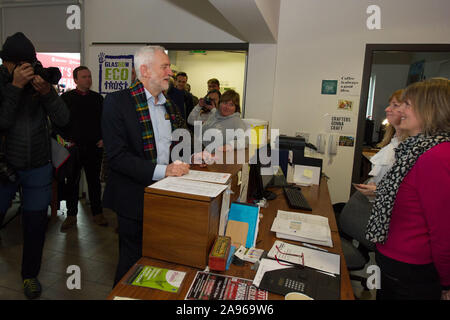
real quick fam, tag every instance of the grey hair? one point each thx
(144, 56)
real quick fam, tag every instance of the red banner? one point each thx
(65, 62)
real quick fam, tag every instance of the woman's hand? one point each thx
(369, 190)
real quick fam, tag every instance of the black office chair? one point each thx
(352, 218)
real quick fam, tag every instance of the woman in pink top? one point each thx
(410, 220)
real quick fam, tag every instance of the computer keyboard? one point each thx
(295, 199)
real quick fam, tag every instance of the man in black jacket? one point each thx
(27, 101)
(181, 97)
(85, 134)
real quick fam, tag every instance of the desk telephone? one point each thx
(313, 283)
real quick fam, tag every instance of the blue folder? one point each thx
(245, 212)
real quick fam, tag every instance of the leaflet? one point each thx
(157, 278)
(210, 286)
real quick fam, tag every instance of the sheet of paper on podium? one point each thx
(207, 176)
(175, 184)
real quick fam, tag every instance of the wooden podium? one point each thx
(180, 227)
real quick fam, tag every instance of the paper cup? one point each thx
(297, 296)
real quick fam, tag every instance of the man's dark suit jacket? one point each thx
(129, 171)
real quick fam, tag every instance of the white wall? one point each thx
(147, 21)
(261, 72)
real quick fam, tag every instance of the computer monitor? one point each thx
(261, 174)
(296, 145)
(256, 183)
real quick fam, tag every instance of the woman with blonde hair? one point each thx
(410, 220)
(383, 160)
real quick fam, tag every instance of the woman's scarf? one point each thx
(406, 156)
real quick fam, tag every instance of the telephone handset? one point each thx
(333, 142)
(321, 142)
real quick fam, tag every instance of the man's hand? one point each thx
(177, 169)
(22, 75)
(100, 144)
(366, 189)
(40, 85)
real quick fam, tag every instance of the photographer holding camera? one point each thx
(27, 101)
(206, 106)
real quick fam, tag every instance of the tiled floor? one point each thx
(93, 248)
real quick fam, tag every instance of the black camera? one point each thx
(208, 101)
(52, 74)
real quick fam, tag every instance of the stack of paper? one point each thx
(302, 227)
(202, 183)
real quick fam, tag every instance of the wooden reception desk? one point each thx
(319, 199)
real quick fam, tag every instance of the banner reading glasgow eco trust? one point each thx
(114, 72)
